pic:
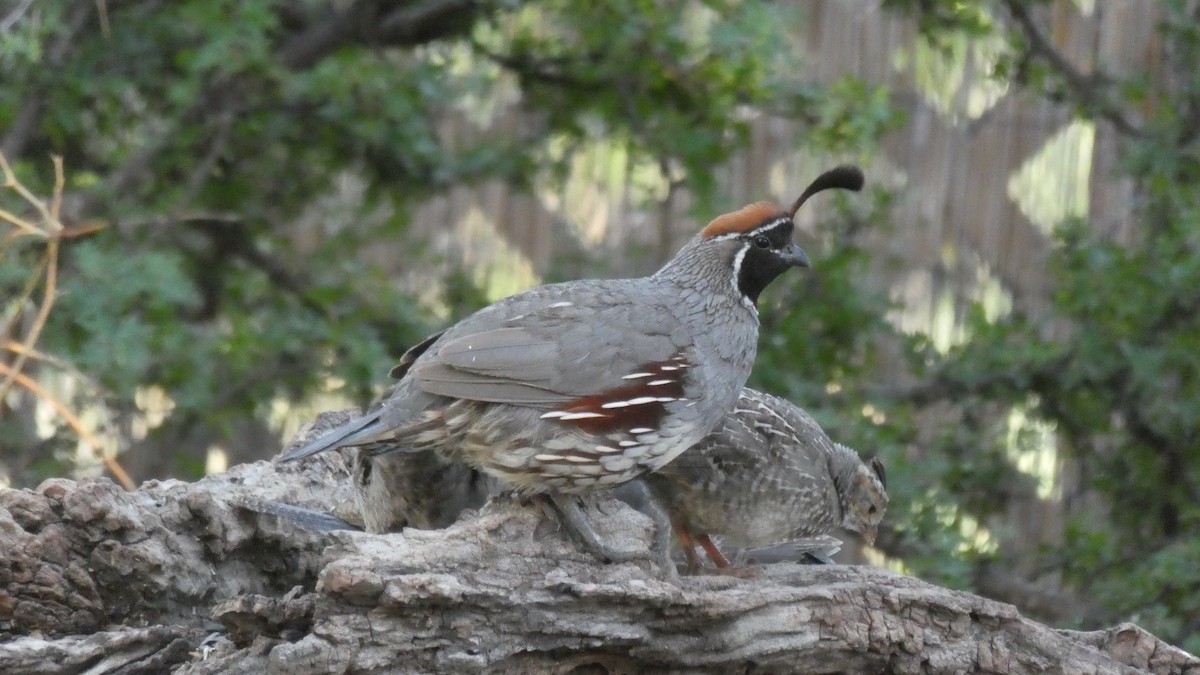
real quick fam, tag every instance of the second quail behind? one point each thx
(767, 474)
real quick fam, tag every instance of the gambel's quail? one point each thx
(584, 385)
(767, 474)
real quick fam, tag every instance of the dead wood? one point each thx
(182, 576)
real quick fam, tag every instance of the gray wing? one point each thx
(549, 356)
(413, 353)
(309, 519)
(506, 365)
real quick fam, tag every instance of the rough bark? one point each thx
(183, 576)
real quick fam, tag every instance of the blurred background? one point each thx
(263, 203)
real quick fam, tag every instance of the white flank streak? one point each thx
(655, 383)
(641, 430)
(668, 368)
(606, 449)
(642, 400)
(578, 460)
(427, 437)
(629, 444)
(580, 416)
(634, 376)
(617, 404)
(560, 304)
(549, 458)
(552, 414)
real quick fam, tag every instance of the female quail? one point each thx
(584, 385)
(767, 474)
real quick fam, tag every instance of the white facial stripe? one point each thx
(770, 224)
(737, 271)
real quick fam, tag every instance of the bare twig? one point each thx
(22, 224)
(52, 230)
(42, 357)
(47, 212)
(45, 273)
(23, 297)
(72, 420)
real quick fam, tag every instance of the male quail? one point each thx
(767, 474)
(584, 385)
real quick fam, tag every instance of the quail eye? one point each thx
(762, 241)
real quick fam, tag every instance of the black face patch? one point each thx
(763, 257)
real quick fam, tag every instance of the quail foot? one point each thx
(767, 474)
(582, 386)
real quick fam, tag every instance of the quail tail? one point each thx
(815, 550)
(355, 432)
(308, 519)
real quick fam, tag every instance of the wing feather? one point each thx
(546, 353)
(510, 353)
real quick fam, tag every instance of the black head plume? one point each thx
(877, 467)
(845, 177)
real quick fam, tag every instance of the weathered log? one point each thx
(95, 579)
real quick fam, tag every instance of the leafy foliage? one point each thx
(1114, 366)
(205, 135)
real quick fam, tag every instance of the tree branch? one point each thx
(139, 573)
(369, 22)
(1088, 89)
(542, 71)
